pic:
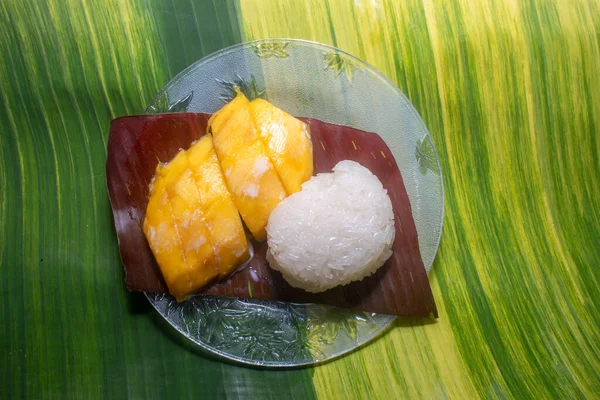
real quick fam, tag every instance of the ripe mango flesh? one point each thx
(249, 173)
(221, 216)
(288, 143)
(256, 156)
(191, 223)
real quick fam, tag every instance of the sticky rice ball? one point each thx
(338, 229)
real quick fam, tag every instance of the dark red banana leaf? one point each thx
(138, 143)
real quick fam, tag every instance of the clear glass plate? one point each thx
(319, 81)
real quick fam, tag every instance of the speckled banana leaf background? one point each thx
(510, 91)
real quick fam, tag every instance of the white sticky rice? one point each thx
(338, 229)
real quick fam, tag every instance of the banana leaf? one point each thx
(138, 143)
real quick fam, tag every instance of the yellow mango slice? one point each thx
(191, 222)
(288, 143)
(222, 217)
(249, 173)
(161, 231)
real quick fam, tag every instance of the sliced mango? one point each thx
(165, 243)
(288, 143)
(191, 223)
(221, 215)
(249, 173)
(256, 156)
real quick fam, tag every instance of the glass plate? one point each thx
(312, 80)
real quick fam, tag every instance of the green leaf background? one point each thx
(509, 93)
